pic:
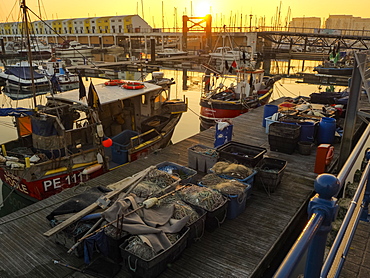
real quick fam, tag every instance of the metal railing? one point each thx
(322, 209)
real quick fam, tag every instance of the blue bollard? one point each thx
(323, 203)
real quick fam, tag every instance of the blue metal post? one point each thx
(323, 203)
(365, 209)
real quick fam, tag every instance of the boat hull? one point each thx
(18, 193)
(213, 110)
(334, 71)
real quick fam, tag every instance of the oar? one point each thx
(67, 265)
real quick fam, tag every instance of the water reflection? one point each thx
(189, 124)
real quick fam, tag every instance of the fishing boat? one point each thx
(59, 75)
(20, 77)
(226, 53)
(70, 47)
(70, 140)
(77, 136)
(225, 96)
(169, 52)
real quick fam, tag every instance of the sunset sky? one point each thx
(152, 9)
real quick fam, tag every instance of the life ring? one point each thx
(133, 85)
(114, 82)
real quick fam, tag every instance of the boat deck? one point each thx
(248, 246)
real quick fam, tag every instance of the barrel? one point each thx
(268, 111)
(326, 132)
(307, 131)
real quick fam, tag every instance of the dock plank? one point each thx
(239, 248)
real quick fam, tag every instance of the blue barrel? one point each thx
(307, 131)
(268, 111)
(326, 133)
(223, 136)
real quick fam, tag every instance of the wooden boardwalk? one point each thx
(247, 246)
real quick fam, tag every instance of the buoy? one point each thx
(107, 143)
(91, 169)
(150, 202)
(114, 82)
(133, 85)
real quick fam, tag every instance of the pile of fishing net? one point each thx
(143, 250)
(154, 183)
(203, 197)
(181, 209)
(232, 170)
(225, 186)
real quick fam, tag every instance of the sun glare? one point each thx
(202, 8)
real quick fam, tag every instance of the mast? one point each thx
(25, 20)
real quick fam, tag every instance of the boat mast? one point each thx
(25, 20)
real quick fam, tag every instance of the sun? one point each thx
(202, 8)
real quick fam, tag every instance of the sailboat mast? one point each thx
(24, 8)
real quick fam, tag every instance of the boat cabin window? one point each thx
(144, 99)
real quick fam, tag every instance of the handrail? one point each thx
(344, 172)
(325, 204)
(343, 229)
(300, 246)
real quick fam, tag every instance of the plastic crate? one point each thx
(196, 229)
(184, 173)
(237, 203)
(241, 153)
(288, 131)
(120, 146)
(268, 122)
(282, 144)
(202, 158)
(216, 217)
(269, 173)
(155, 266)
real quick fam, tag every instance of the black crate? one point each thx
(196, 229)
(155, 266)
(240, 153)
(216, 217)
(269, 173)
(289, 131)
(282, 144)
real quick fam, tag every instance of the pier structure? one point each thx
(252, 245)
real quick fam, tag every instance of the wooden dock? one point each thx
(251, 245)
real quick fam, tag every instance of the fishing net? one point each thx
(147, 188)
(225, 186)
(139, 248)
(160, 178)
(233, 170)
(204, 150)
(203, 197)
(181, 209)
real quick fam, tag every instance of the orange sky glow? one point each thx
(168, 13)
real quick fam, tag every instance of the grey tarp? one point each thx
(150, 224)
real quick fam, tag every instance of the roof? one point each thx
(107, 94)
